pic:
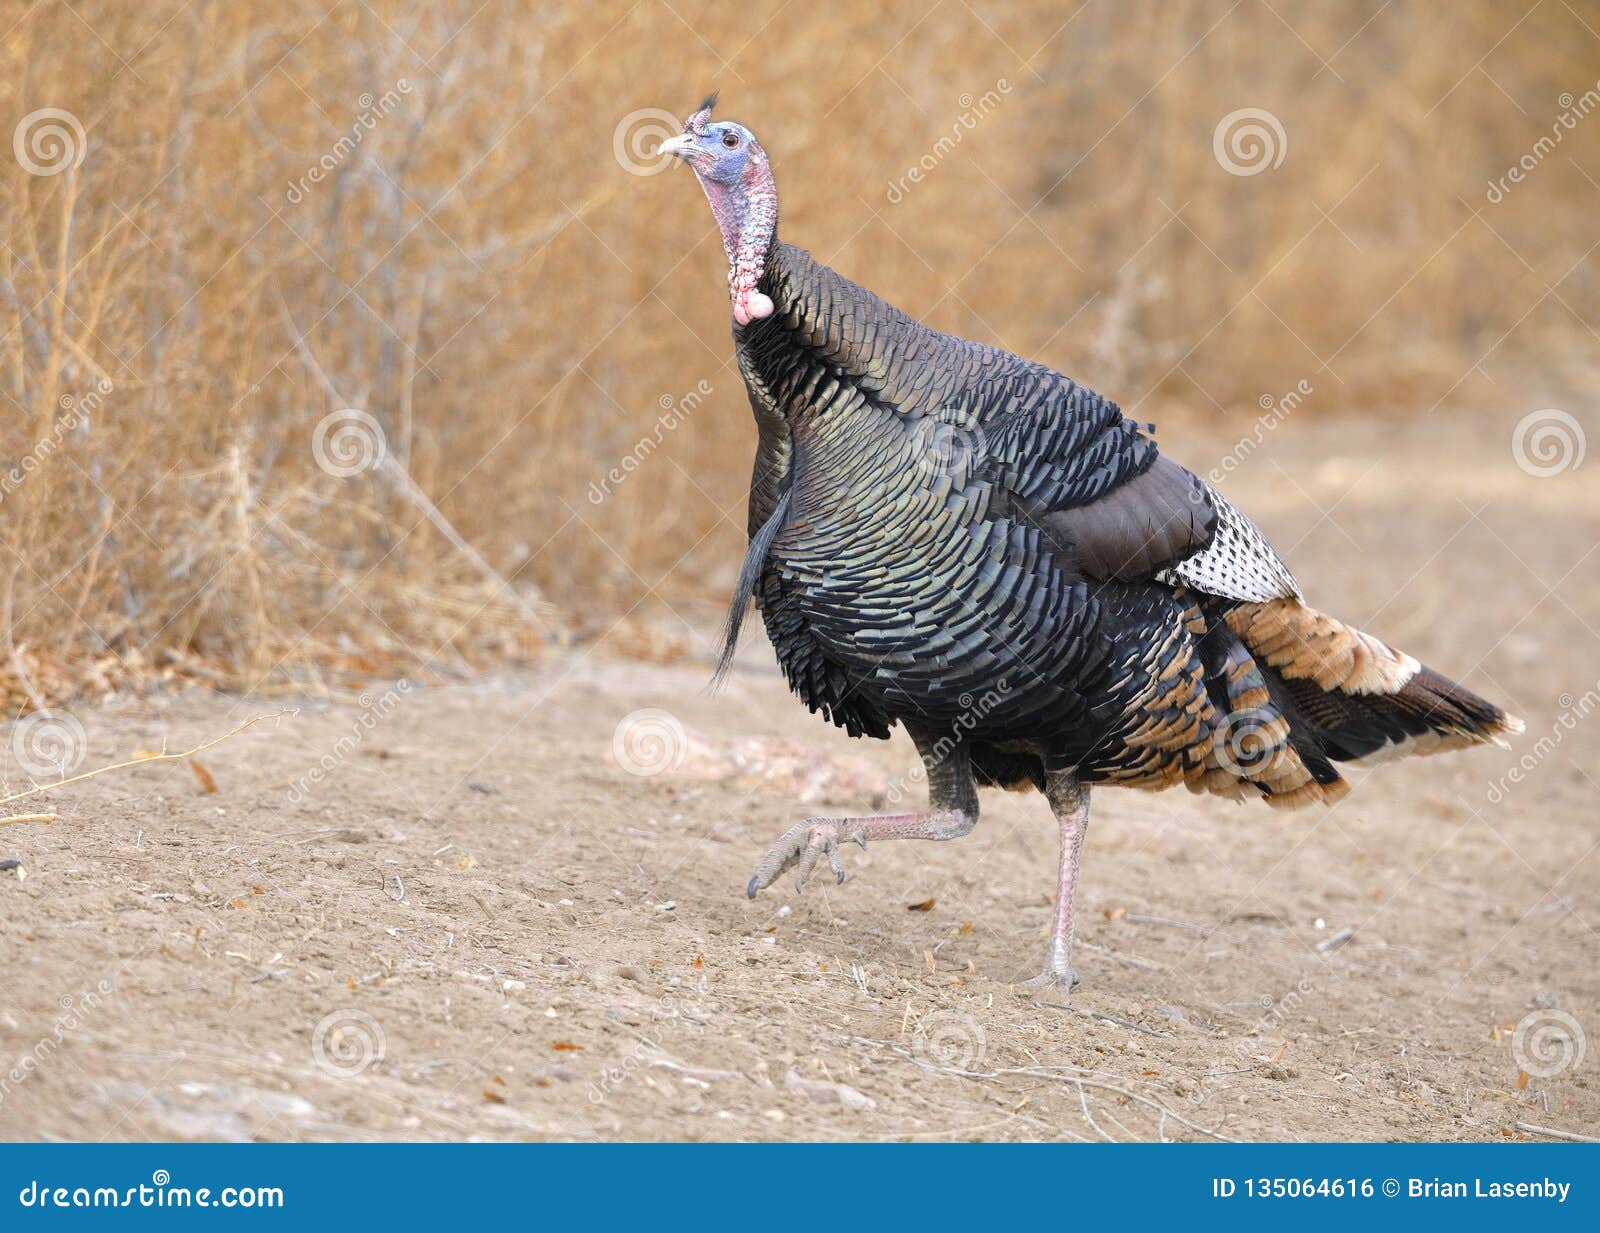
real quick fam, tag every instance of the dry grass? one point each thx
(480, 276)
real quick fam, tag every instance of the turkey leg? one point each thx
(952, 812)
(807, 842)
(1070, 801)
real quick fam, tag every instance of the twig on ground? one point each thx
(1043, 1072)
(1165, 920)
(1133, 961)
(1117, 1124)
(1083, 1103)
(1531, 1129)
(151, 760)
(1104, 1017)
(348, 834)
(27, 817)
(1076, 1075)
(702, 1073)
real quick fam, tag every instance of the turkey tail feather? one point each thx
(1356, 698)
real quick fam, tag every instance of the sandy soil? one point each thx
(479, 922)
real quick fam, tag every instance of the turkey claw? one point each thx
(1062, 983)
(804, 843)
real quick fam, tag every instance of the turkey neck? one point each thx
(836, 368)
(796, 361)
(821, 320)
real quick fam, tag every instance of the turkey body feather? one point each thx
(951, 537)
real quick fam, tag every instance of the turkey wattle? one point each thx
(949, 537)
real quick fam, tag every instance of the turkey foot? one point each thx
(809, 841)
(1058, 973)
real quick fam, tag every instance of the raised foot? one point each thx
(805, 843)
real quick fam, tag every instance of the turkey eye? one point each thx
(731, 140)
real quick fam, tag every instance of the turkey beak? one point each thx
(680, 146)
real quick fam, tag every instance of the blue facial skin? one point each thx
(719, 160)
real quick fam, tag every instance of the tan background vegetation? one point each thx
(482, 276)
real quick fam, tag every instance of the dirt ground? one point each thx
(461, 911)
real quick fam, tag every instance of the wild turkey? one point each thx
(949, 537)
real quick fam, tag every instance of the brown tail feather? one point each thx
(1304, 644)
(1452, 716)
(1357, 698)
(1277, 693)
